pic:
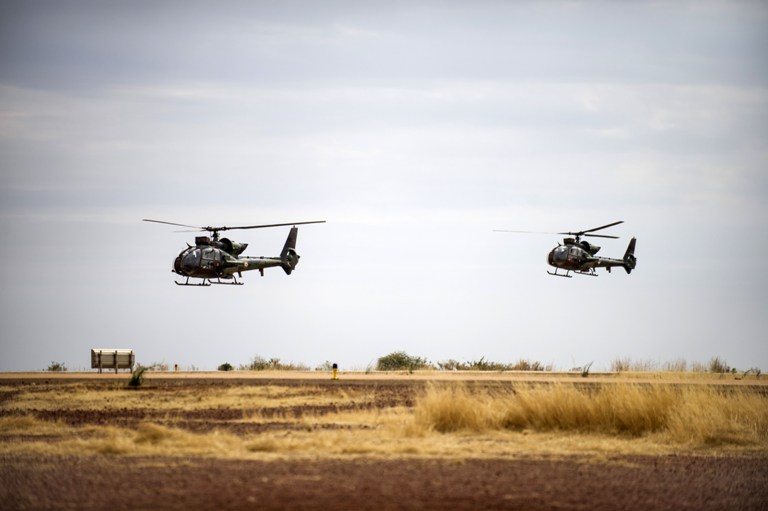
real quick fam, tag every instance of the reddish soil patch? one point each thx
(641, 483)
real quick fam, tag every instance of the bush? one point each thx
(137, 378)
(526, 365)
(226, 366)
(57, 367)
(717, 365)
(620, 364)
(273, 364)
(401, 361)
(484, 365)
(257, 364)
(450, 365)
(677, 366)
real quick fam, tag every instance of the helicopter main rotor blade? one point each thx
(172, 223)
(525, 232)
(225, 228)
(584, 232)
(567, 233)
(267, 225)
(605, 226)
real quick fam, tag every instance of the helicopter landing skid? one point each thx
(204, 283)
(235, 283)
(591, 272)
(566, 274)
(207, 282)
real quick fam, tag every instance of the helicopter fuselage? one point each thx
(208, 262)
(214, 258)
(579, 257)
(220, 259)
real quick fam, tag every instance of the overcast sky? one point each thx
(414, 128)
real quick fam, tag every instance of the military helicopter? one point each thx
(578, 256)
(213, 258)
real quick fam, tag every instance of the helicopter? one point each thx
(219, 258)
(578, 256)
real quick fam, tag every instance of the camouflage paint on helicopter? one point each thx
(213, 258)
(579, 256)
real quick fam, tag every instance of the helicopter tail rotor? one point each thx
(630, 261)
(289, 258)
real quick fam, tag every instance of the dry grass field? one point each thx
(397, 441)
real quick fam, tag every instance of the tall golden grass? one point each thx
(482, 419)
(686, 414)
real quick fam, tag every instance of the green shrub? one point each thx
(484, 365)
(226, 366)
(401, 361)
(137, 377)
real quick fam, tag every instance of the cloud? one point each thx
(415, 129)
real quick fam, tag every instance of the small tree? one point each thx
(401, 361)
(226, 366)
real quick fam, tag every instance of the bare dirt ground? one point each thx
(642, 483)
(61, 481)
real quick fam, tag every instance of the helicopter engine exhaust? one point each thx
(233, 247)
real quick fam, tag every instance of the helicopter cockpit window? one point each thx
(561, 253)
(192, 258)
(209, 254)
